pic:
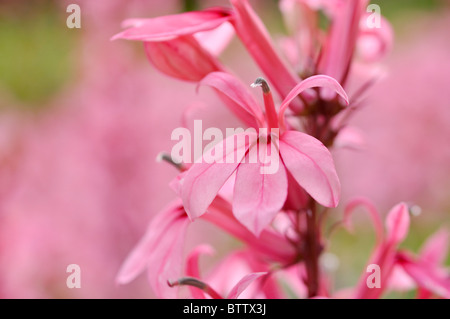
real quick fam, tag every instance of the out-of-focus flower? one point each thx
(426, 270)
(160, 251)
(171, 45)
(384, 256)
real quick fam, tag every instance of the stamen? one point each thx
(262, 83)
(193, 282)
(167, 158)
(271, 113)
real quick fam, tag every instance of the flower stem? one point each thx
(312, 251)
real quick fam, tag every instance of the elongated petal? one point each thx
(312, 166)
(397, 224)
(313, 81)
(231, 87)
(243, 284)
(216, 40)
(171, 26)
(256, 39)
(435, 249)
(205, 178)
(182, 58)
(375, 216)
(192, 267)
(160, 251)
(351, 138)
(375, 42)
(340, 44)
(258, 197)
(425, 276)
(270, 244)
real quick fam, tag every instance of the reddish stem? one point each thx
(311, 252)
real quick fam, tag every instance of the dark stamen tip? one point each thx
(167, 158)
(262, 83)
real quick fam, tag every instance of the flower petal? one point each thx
(338, 48)
(375, 216)
(192, 268)
(425, 276)
(435, 249)
(216, 40)
(258, 197)
(183, 58)
(206, 177)
(171, 26)
(243, 284)
(313, 81)
(397, 224)
(312, 166)
(374, 43)
(232, 88)
(256, 39)
(160, 250)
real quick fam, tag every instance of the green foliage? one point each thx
(35, 51)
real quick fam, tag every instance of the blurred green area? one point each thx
(37, 48)
(36, 51)
(394, 9)
(353, 249)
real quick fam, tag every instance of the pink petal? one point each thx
(397, 224)
(183, 58)
(399, 280)
(192, 267)
(176, 183)
(256, 39)
(160, 251)
(376, 218)
(270, 244)
(216, 40)
(312, 166)
(435, 250)
(350, 138)
(243, 284)
(297, 198)
(204, 180)
(313, 81)
(171, 26)
(338, 49)
(259, 197)
(426, 277)
(232, 88)
(375, 43)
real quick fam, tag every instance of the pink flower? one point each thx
(426, 270)
(160, 251)
(384, 256)
(259, 196)
(246, 270)
(258, 42)
(171, 45)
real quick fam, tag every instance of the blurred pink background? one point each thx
(78, 177)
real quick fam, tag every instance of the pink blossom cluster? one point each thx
(280, 218)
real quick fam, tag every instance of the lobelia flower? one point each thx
(171, 44)
(384, 256)
(160, 251)
(246, 270)
(346, 50)
(302, 165)
(258, 192)
(174, 45)
(426, 269)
